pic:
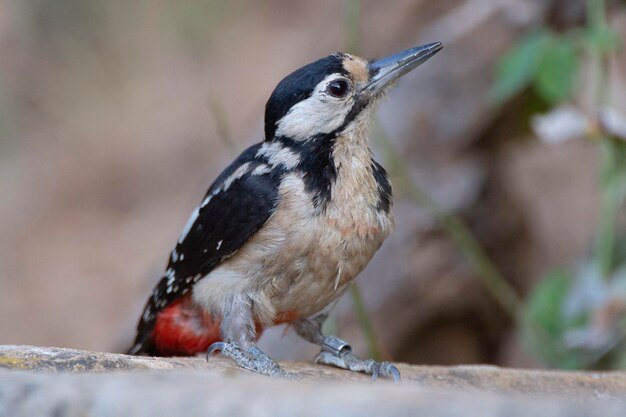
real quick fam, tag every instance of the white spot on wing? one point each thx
(261, 169)
(169, 274)
(239, 172)
(208, 198)
(189, 224)
(277, 154)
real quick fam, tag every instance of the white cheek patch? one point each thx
(319, 113)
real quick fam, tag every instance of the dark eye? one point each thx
(338, 88)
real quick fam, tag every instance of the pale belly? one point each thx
(300, 261)
(318, 268)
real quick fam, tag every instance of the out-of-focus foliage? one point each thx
(518, 67)
(576, 317)
(542, 59)
(557, 69)
(549, 62)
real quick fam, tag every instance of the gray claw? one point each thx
(375, 372)
(395, 373)
(214, 348)
(388, 369)
(253, 359)
(351, 362)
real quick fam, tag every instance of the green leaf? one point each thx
(544, 305)
(544, 324)
(517, 68)
(602, 38)
(557, 70)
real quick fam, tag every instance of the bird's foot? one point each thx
(338, 353)
(254, 359)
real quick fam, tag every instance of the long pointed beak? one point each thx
(387, 70)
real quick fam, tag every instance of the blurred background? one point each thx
(506, 151)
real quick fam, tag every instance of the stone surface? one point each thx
(65, 382)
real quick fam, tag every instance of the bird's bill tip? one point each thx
(387, 70)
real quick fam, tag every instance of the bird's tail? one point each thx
(143, 346)
(144, 343)
(179, 329)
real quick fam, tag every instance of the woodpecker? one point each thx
(287, 226)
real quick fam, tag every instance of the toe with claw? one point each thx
(336, 352)
(253, 359)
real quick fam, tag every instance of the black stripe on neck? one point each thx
(316, 164)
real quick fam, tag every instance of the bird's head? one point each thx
(329, 95)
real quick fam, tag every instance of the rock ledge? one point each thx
(65, 382)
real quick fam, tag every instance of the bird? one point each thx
(284, 230)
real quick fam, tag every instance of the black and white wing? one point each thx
(235, 207)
